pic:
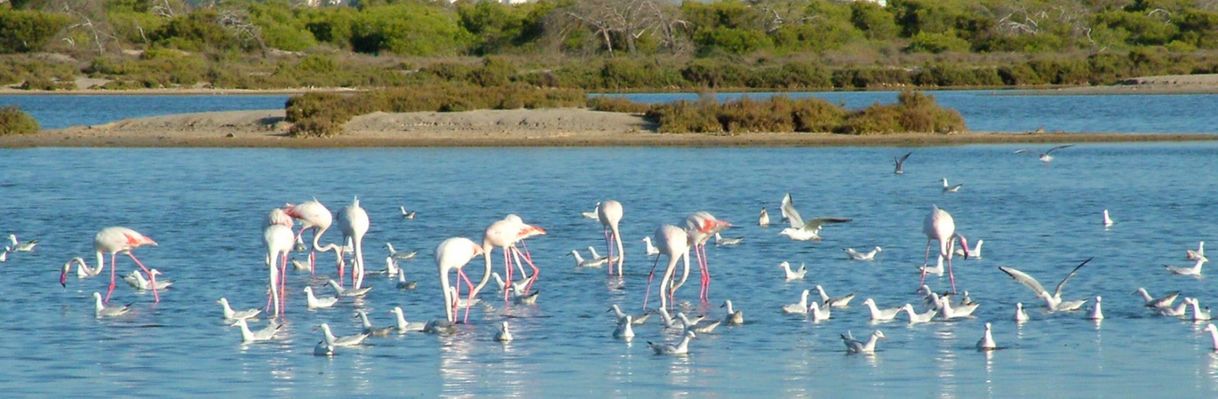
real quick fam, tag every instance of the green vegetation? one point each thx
(15, 121)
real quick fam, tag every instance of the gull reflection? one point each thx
(680, 373)
(457, 372)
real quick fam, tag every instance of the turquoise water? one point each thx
(206, 208)
(983, 110)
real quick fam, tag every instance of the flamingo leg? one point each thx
(707, 278)
(609, 248)
(112, 275)
(925, 263)
(156, 297)
(532, 278)
(650, 275)
(528, 257)
(469, 301)
(283, 283)
(507, 269)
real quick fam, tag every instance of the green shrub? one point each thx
(816, 115)
(15, 121)
(26, 30)
(617, 104)
(913, 112)
(936, 43)
(687, 117)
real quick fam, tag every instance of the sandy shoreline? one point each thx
(491, 128)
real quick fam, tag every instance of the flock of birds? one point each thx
(518, 283)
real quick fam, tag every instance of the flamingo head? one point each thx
(531, 230)
(63, 275)
(964, 245)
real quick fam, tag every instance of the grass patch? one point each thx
(15, 121)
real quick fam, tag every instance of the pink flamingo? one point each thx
(674, 243)
(113, 240)
(701, 226)
(354, 224)
(505, 234)
(279, 239)
(610, 213)
(455, 253)
(313, 215)
(940, 226)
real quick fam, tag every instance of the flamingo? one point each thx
(674, 243)
(455, 253)
(940, 226)
(113, 240)
(313, 215)
(505, 234)
(610, 213)
(82, 270)
(353, 221)
(278, 240)
(701, 226)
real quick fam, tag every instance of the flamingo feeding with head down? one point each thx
(313, 215)
(279, 239)
(505, 234)
(674, 243)
(113, 240)
(939, 226)
(353, 221)
(701, 226)
(455, 253)
(610, 213)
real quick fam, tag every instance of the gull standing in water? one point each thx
(624, 331)
(834, 302)
(986, 343)
(681, 348)
(231, 315)
(265, 334)
(702, 326)
(404, 326)
(1194, 271)
(800, 307)
(734, 317)
(863, 256)
(793, 274)
(855, 346)
(763, 219)
(314, 302)
(951, 188)
(801, 230)
(819, 313)
(101, 310)
(899, 163)
(1157, 303)
(1053, 301)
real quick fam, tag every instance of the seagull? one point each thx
(349, 292)
(265, 334)
(899, 163)
(819, 313)
(596, 256)
(1198, 254)
(406, 215)
(734, 317)
(916, 318)
(369, 329)
(323, 349)
(1194, 271)
(1020, 315)
(1198, 314)
(624, 331)
(1052, 301)
(720, 241)
(1158, 303)
(681, 348)
(973, 253)
(947, 312)
(878, 314)
(856, 346)
(651, 248)
(400, 256)
(404, 284)
(517, 286)
(801, 230)
(793, 275)
(4, 254)
(1107, 220)
(1097, 312)
(1178, 311)
(232, 315)
(299, 266)
(440, 327)
(936, 270)
(404, 326)
(136, 280)
(503, 335)
(1045, 156)
(834, 302)
(763, 219)
(581, 262)
(863, 256)
(593, 214)
(101, 310)
(798, 308)
(349, 340)
(1213, 335)
(986, 343)
(527, 299)
(636, 319)
(19, 246)
(318, 303)
(701, 326)
(666, 319)
(949, 188)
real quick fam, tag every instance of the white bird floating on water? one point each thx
(763, 219)
(4, 254)
(834, 302)
(593, 214)
(373, 331)
(231, 315)
(951, 188)
(1097, 312)
(400, 256)
(1198, 254)
(348, 292)
(1157, 303)
(314, 302)
(504, 335)
(918, 318)
(800, 307)
(936, 270)
(793, 274)
(1194, 271)
(1045, 156)
(974, 253)
(702, 326)
(349, 340)
(666, 319)
(1107, 220)
(863, 256)
(1198, 314)
(323, 349)
(1020, 315)
(517, 286)
(651, 248)
(947, 311)
(681, 348)
(404, 284)
(856, 346)
(265, 334)
(21, 246)
(880, 315)
(407, 214)
(1179, 311)
(101, 310)
(404, 326)
(1213, 336)
(624, 331)
(581, 262)
(986, 343)
(819, 313)
(136, 280)
(721, 241)
(801, 230)
(734, 317)
(619, 315)
(1053, 301)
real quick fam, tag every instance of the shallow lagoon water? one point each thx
(206, 207)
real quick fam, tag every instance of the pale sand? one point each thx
(546, 127)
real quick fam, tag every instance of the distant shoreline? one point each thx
(568, 127)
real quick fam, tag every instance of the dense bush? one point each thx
(24, 31)
(15, 121)
(913, 112)
(616, 104)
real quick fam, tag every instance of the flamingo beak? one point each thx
(63, 277)
(964, 246)
(539, 230)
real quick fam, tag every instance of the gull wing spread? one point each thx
(1057, 292)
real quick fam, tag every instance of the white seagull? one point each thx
(1107, 220)
(793, 274)
(819, 313)
(404, 326)
(136, 280)
(651, 248)
(763, 219)
(581, 262)
(101, 310)
(1213, 336)
(951, 188)
(318, 303)
(986, 343)
(834, 302)
(231, 315)
(265, 334)
(348, 292)
(1020, 315)
(1157, 303)
(593, 214)
(1198, 254)
(400, 256)
(404, 284)
(879, 315)
(798, 308)
(1046, 156)
(734, 317)
(1198, 313)
(863, 256)
(702, 326)
(801, 230)
(517, 286)
(856, 346)
(504, 335)
(720, 241)
(899, 163)
(681, 348)
(369, 329)
(22, 246)
(407, 215)
(1194, 271)
(635, 319)
(1052, 301)
(349, 340)
(1097, 312)
(917, 318)
(974, 253)
(624, 331)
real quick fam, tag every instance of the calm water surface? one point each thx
(206, 209)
